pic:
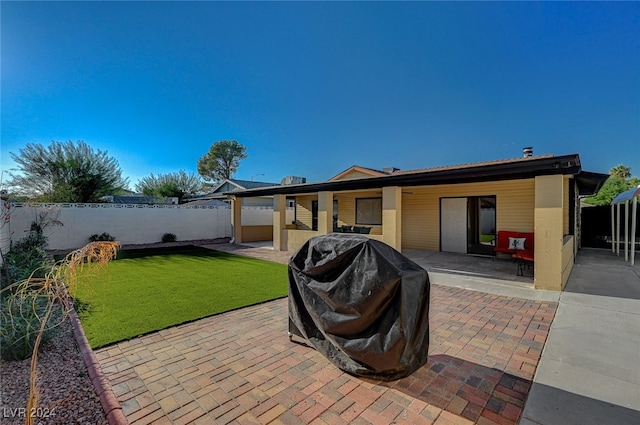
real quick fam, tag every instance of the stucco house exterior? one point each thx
(455, 208)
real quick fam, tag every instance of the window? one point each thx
(368, 210)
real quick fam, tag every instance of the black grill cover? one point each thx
(362, 304)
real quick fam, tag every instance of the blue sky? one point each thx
(313, 88)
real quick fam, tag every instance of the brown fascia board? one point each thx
(566, 164)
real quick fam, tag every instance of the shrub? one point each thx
(21, 319)
(105, 237)
(169, 237)
(26, 256)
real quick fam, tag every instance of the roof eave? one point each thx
(566, 164)
(590, 183)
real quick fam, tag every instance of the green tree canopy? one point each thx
(65, 172)
(178, 184)
(222, 160)
(619, 180)
(621, 172)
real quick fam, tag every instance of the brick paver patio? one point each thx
(241, 368)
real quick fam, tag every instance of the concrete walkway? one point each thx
(590, 367)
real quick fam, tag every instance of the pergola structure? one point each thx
(627, 197)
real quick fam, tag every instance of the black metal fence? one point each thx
(596, 226)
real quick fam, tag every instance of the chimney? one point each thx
(527, 152)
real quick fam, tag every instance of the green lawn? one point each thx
(149, 290)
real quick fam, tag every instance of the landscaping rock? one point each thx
(67, 395)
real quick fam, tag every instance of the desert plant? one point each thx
(26, 257)
(169, 237)
(104, 237)
(21, 317)
(33, 303)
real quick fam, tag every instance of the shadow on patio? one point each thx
(501, 268)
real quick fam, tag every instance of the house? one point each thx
(224, 190)
(456, 208)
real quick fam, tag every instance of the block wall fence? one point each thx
(129, 224)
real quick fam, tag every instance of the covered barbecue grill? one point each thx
(362, 304)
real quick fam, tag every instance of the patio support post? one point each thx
(548, 228)
(626, 230)
(236, 220)
(634, 215)
(280, 242)
(392, 216)
(325, 212)
(618, 230)
(613, 229)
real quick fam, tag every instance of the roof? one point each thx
(208, 203)
(590, 183)
(250, 184)
(627, 195)
(475, 164)
(369, 171)
(507, 169)
(237, 184)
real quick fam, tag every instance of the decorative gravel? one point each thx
(67, 395)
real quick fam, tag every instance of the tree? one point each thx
(178, 184)
(619, 180)
(222, 160)
(621, 172)
(65, 172)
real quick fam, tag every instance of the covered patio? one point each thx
(456, 209)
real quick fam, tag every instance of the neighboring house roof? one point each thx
(507, 169)
(208, 203)
(232, 185)
(250, 184)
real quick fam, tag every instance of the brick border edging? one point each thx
(110, 404)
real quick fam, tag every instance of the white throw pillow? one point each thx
(517, 243)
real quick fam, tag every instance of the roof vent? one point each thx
(527, 152)
(390, 170)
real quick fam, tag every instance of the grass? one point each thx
(148, 290)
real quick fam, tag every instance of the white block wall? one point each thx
(262, 216)
(130, 224)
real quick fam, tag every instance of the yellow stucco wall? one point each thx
(347, 208)
(303, 211)
(565, 205)
(297, 238)
(257, 233)
(549, 214)
(567, 259)
(421, 209)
